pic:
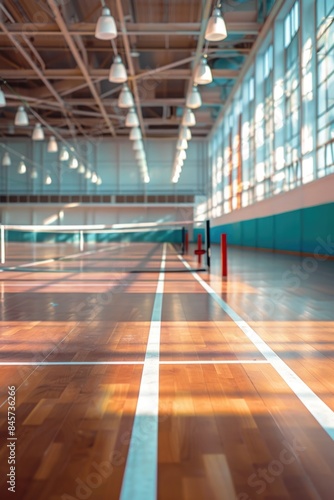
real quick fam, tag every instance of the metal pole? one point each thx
(208, 244)
(223, 240)
(183, 246)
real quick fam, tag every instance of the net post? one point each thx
(81, 239)
(183, 244)
(2, 244)
(223, 243)
(208, 244)
(187, 242)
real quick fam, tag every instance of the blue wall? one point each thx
(297, 231)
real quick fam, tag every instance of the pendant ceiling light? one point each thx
(22, 168)
(140, 155)
(117, 73)
(88, 174)
(182, 155)
(64, 154)
(74, 163)
(185, 133)
(106, 26)
(135, 134)
(138, 145)
(131, 119)
(38, 133)
(125, 99)
(6, 161)
(94, 178)
(99, 181)
(33, 174)
(194, 99)
(52, 145)
(81, 169)
(216, 28)
(48, 180)
(182, 144)
(188, 119)
(2, 99)
(203, 74)
(146, 178)
(21, 117)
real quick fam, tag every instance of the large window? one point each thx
(278, 132)
(325, 90)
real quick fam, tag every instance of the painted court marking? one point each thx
(141, 470)
(111, 363)
(319, 410)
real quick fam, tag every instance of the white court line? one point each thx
(111, 363)
(141, 470)
(30, 264)
(319, 410)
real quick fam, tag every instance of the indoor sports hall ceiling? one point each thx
(51, 62)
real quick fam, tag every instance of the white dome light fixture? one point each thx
(6, 161)
(74, 163)
(52, 145)
(88, 174)
(203, 74)
(182, 155)
(81, 169)
(117, 73)
(194, 99)
(48, 180)
(33, 174)
(94, 178)
(38, 133)
(135, 134)
(64, 154)
(216, 28)
(2, 99)
(125, 99)
(106, 26)
(188, 119)
(21, 117)
(140, 155)
(99, 181)
(138, 145)
(182, 144)
(22, 168)
(131, 119)
(185, 133)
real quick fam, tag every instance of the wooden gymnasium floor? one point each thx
(170, 385)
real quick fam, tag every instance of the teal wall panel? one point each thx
(249, 233)
(318, 226)
(288, 231)
(305, 230)
(266, 232)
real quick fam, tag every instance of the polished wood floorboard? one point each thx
(229, 428)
